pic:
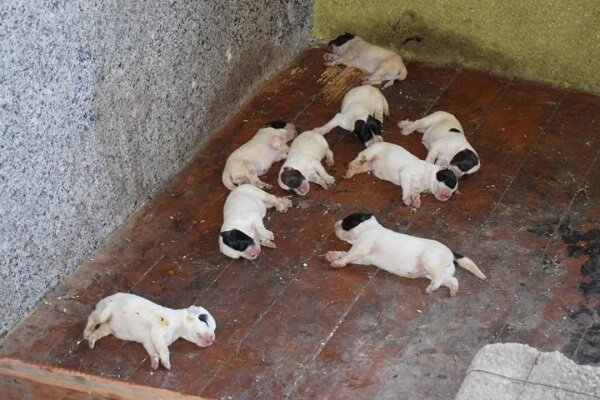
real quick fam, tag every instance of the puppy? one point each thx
(255, 157)
(243, 231)
(381, 64)
(393, 163)
(402, 255)
(303, 163)
(444, 138)
(131, 317)
(363, 109)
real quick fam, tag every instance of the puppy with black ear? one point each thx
(395, 164)
(444, 138)
(400, 254)
(363, 109)
(255, 157)
(382, 64)
(303, 163)
(243, 231)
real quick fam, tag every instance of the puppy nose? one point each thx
(211, 338)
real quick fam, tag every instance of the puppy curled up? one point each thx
(403, 255)
(381, 64)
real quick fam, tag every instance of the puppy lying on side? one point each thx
(131, 317)
(303, 163)
(402, 255)
(243, 231)
(382, 64)
(363, 109)
(393, 163)
(444, 137)
(255, 157)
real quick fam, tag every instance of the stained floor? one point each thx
(289, 326)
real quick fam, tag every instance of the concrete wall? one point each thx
(101, 101)
(556, 41)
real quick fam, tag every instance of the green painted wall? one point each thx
(556, 41)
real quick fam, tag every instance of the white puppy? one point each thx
(400, 254)
(395, 164)
(243, 231)
(363, 109)
(444, 137)
(381, 64)
(131, 317)
(303, 163)
(255, 157)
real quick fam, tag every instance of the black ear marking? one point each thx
(292, 178)
(455, 130)
(465, 160)
(203, 318)
(237, 239)
(340, 40)
(279, 124)
(447, 176)
(366, 130)
(353, 220)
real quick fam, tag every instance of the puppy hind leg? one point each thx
(152, 353)
(452, 284)
(281, 204)
(358, 165)
(102, 331)
(433, 285)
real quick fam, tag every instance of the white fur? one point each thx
(244, 209)
(357, 105)
(382, 64)
(395, 164)
(441, 143)
(306, 153)
(255, 157)
(133, 318)
(403, 255)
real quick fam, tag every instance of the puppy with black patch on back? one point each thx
(243, 231)
(444, 138)
(403, 255)
(382, 64)
(255, 157)
(395, 164)
(363, 109)
(303, 164)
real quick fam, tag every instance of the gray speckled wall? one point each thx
(102, 101)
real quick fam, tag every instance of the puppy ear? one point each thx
(340, 40)
(279, 124)
(194, 310)
(455, 130)
(353, 220)
(465, 160)
(236, 239)
(374, 124)
(292, 178)
(362, 132)
(447, 177)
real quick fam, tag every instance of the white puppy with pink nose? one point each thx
(400, 254)
(382, 64)
(134, 318)
(395, 164)
(303, 163)
(363, 109)
(243, 231)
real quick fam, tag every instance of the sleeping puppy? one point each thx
(445, 139)
(393, 163)
(255, 157)
(243, 232)
(381, 64)
(303, 163)
(363, 109)
(400, 254)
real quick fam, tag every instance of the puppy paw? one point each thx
(416, 201)
(268, 243)
(330, 63)
(334, 255)
(329, 180)
(91, 343)
(337, 264)
(154, 361)
(406, 127)
(329, 57)
(266, 186)
(283, 204)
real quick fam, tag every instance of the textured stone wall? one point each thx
(101, 101)
(557, 41)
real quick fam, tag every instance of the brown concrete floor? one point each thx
(291, 327)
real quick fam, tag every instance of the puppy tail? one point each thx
(227, 180)
(469, 265)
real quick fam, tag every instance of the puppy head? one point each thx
(369, 131)
(464, 162)
(336, 44)
(445, 184)
(236, 244)
(199, 326)
(292, 179)
(349, 228)
(290, 129)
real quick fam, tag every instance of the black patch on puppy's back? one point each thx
(366, 130)
(353, 220)
(455, 130)
(292, 178)
(447, 176)
(465, 160)
(279, 124)
(237, 239)
(340, 40)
